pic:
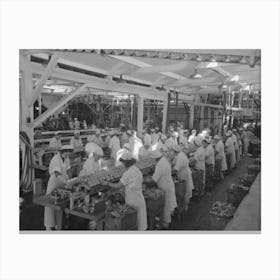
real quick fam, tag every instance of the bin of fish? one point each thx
(236, 193)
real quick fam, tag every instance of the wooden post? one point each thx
(176, 106)
(201, 118)
(164, 115)
(26, 93)
(167, 113)
(140, 111)
(191, 116)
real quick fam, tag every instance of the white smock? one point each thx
(90, 166)
(220, 154)
(132, 180)
(229, 146)
(163, 177)
(91, 147)
(236, 147)
(147, 139)
(200, 157)
(210, 155)
(135, 144)
(184, 173)
(55, 144)
(192, 138)
(154, 137)
(54, 182)
(115, 146)
(76, 143)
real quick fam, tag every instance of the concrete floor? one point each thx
(196, 218)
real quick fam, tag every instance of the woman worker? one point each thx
(220, 158)
(181, 165)
(58, 168)
(92, 163)
(163, 177)
(132, 180)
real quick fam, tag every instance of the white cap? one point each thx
(57, 132)
(156, 154)
(127, 156)
(97, 131)
(129, 131)
(198, 141)
(76, 132)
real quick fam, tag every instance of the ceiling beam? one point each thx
(39, 87)
(99, 83)
(185, 82)
(141, 64)
(58, 105)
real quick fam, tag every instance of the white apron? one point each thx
(132, 179)
(184, 174)
(163, 178)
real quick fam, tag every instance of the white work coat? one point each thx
(229, 148)
(200, 157)
(76, 125)
(184, 173)
(135, 145)
(53, 183)
(76, 143)
(114, 145)
(90, 166)
(154, 138)
(55, 144)
(192, 138)
(220, 154)
(163, 177)
(147, 139)
(170, 143)
(132, 180)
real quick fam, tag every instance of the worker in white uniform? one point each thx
(93, 162)
(76, 141)
(97, 139)
(147, 140)
(114, 145)
(135, 144)
(184, 140)
(172, 140)
(236, 145)
(200, 157)
(181, 165)
(76, 124)
(163, 177)
(55, 142)
(132, 180)
(59, 165)
(209, 163)
(239, 140)
(220, 158)
(229, 150)
(125, 149)
(180, 133)
(154, 136)
(193, 136)
(125, 137)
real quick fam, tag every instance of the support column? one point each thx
(26, 111)
(140, 110)
(201, 118)
(191, 117)
(164, 116)
(209, 117)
